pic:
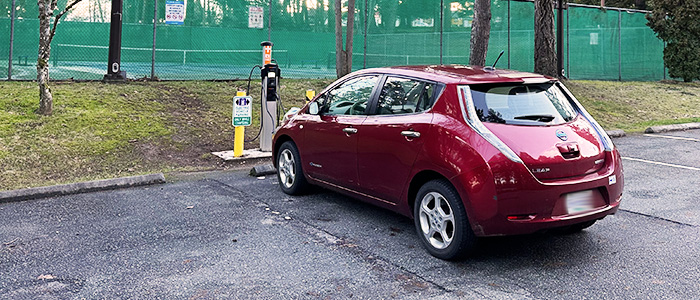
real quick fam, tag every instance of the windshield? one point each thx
(522, 104)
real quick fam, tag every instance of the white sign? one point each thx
(255, 17)
(420, 22)
(242, 112)
(174, 12)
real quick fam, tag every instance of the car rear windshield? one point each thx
(522, 104)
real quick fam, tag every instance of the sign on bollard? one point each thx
(242, 112)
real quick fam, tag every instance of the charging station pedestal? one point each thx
(270, 95)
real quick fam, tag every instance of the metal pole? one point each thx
(12, 40)
(442, 22)
(508, 34)
(114, 71)
(153, 55)
(364, 53)
(664, 64)
(269, 22)
(560, 39)
(568, 40)
(619, 45)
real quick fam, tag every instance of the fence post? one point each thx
(663, 63)
(269, 22)
(568, 43)
(364, 49)
(619, 45)
(12, 40)
(153, 54)
(442, 23)
(508, 34)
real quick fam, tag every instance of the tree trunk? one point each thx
(349, 36)
(545, 55)
(343, 58)
(46, 34)
(46, 8)
(481, 29)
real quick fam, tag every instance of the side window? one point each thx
(405, 96)
(349, 98)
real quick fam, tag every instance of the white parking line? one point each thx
(662, 164)
(673, 137)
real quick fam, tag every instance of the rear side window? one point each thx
(522, 104)
(405, 96)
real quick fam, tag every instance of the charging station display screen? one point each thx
(242, 111)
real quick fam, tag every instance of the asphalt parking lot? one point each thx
(232, 236)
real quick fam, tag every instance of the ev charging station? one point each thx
(270, 74)
(241, 114)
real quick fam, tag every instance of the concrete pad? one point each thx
(247, 154)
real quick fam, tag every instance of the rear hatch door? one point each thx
(541, 126)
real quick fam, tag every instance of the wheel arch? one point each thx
(417, 182)
(278, 143)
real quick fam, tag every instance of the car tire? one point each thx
(441, 221)
(290, 175)
(576, 228)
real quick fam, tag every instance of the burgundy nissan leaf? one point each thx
(466, 152)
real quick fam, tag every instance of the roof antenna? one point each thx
(493, 67)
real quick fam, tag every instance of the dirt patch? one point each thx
(198, 130)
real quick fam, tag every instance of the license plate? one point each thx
(579, 202)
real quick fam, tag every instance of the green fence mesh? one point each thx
(215, 41)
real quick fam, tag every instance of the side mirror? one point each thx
(313, 108)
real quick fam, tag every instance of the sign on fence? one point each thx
(174, 12)
(255, 17)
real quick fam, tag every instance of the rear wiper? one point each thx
(541, 118)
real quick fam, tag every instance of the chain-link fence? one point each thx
(216, 40)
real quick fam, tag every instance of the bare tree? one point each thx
(46, 34)
(545, 55)
(343, 58)
(481, 28)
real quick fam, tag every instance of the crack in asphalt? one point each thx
(322, 235)
(658, 218)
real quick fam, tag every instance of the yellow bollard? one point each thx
(239, 134)
(310, 94)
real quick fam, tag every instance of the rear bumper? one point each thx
(520, 204)
(514, 227)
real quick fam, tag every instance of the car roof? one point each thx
(461, 74)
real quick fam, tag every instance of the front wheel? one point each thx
(441, 221)
(289, 172)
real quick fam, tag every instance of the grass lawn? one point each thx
(103, 130)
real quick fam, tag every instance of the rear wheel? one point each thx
(441, 221)
(289, 172)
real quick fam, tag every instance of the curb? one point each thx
(616, 133)
(674, 127)
(263, 170)
(80, 187)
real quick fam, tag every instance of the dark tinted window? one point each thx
(522, 104)
(405, 96)
(349, 98)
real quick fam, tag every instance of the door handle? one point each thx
(410, 133)
(350, 130)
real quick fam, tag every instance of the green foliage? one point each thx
(634, 106)
(676, 23)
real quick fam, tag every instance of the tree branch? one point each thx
(58, 17)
